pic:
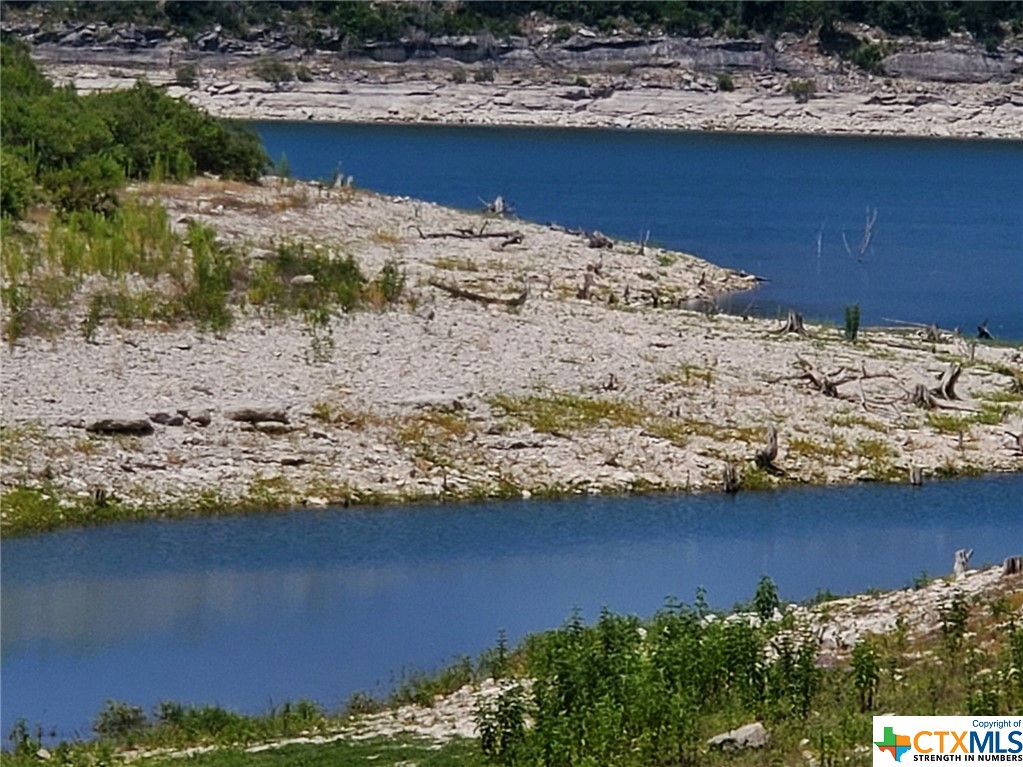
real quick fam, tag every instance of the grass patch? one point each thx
(562, 412)
(455, 264)
(851, 420)
(687, 375)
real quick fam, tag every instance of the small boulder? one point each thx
(752, 735)
(200, 416)
(252, 413)
(120, 424)
(167, 419)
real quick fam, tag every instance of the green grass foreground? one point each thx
(626, 691)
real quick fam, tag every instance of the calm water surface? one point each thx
(947, 245)
(249, 612)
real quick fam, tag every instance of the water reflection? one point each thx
(247, 611)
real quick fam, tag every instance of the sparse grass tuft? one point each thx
(560, 412)
(687, 375)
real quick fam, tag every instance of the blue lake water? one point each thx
(946, 247)
(249, 612)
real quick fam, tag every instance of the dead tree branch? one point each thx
(765, 457)
(828, 383)
(514, 235)
(457, 292)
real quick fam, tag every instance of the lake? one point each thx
(248, 612)
(946, 245)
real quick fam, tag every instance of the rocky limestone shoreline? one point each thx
(635, 383)
(951, 88)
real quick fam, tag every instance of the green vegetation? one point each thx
(359, 22)
(725, 82)
(627, 691)
(273, 70)
(567, 412)
(802, 90)
(852, 322)
(77, 151)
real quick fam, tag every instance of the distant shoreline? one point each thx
(661, 100)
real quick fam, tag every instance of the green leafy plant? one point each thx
(802, 90)
(852, 322)
(725, 82)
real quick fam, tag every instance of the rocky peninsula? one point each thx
(524, 363)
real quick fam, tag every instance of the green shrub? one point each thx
(118, 720)
(484, 74)
(459, 77)
(852, 322)
(303, 73)
(802, 90)
(187, 76)
(725, 82)
(273, 70)
(869, 57)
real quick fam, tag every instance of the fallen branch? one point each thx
(457, 292)
(828, 383)
(1018, 439)
(513, 236)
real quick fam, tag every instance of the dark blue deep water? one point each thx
(249, 612)
(947, 245)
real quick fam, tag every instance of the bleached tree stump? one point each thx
(962, 562)
(765, 457)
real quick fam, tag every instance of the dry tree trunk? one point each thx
(765, 458)
(946, 388)
(793, 324)
(584, 292)
(730, 475)
(916, 476)
(1012, 566)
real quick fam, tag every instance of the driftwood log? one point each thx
(598, 239)
(457, 292)
(828, 383)
(1018, 440)
(508, 237)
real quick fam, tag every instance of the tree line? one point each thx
(75, 151)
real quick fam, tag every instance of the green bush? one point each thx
(273, 70)
(77, 150)
(187, 76)
(852, 322)
(725, 82)
(484, 74)
(459, 77)
(303, 73)
(802, 90)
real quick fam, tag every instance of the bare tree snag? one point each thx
(962, 562)
(730, 476)
(498, 207)
(793, 324)
(983, 332)
(598, 239)
(946, 388)
(765, 458)
(1018, 439)
(457, 292)
(916, 476)
(1012, 566)
(584, 292)
(921, 397)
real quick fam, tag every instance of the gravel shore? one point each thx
(625, 389)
